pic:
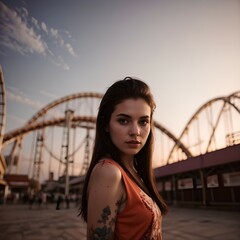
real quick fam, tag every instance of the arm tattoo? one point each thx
(105, 232)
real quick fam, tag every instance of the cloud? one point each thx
(70, 50)
(18, 96)
(54, 33)
(44, 27)
(26, 35)
(23, 12)
(17, 35)
(68, 34)
(59, 62)
(35, 22)
(48, 94)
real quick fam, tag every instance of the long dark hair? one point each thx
(121, 90)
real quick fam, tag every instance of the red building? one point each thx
(212, 179)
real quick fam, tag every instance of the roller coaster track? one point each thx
(232, 101)
(2, 107)
(46, 117)
(13, 135)
(68, 98)
(20, 132)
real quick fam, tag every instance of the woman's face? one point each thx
(130, 125)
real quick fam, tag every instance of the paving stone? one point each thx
(17, 236)
(17, 222)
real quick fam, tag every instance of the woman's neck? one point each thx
(128, 162)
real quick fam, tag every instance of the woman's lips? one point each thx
(133, 143)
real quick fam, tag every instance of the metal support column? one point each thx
(204, 188)
(69, 116)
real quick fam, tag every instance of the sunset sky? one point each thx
(187, 51)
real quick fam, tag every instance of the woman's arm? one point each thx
(105, 192)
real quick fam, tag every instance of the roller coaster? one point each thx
(59, 137)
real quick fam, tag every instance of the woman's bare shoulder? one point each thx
(106, 181)
(106, 170)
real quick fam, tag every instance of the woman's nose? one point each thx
(134, 130)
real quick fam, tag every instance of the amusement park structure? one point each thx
(58, 139)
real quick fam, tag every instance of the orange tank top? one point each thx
(141, 217)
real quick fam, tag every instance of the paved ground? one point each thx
(201, 224)
(17, 222)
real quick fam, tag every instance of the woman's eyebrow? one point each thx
(145, 117)
(127, 116)
(123, 115)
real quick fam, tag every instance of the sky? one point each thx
(187, 51)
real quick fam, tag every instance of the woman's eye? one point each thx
(122, 121)
(144, 122)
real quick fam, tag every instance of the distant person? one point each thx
(15, 198)
(120, 198)
(44, 199)
(59, 201)
(39, 199)
(31, 199)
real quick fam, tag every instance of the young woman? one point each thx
(120, 199)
